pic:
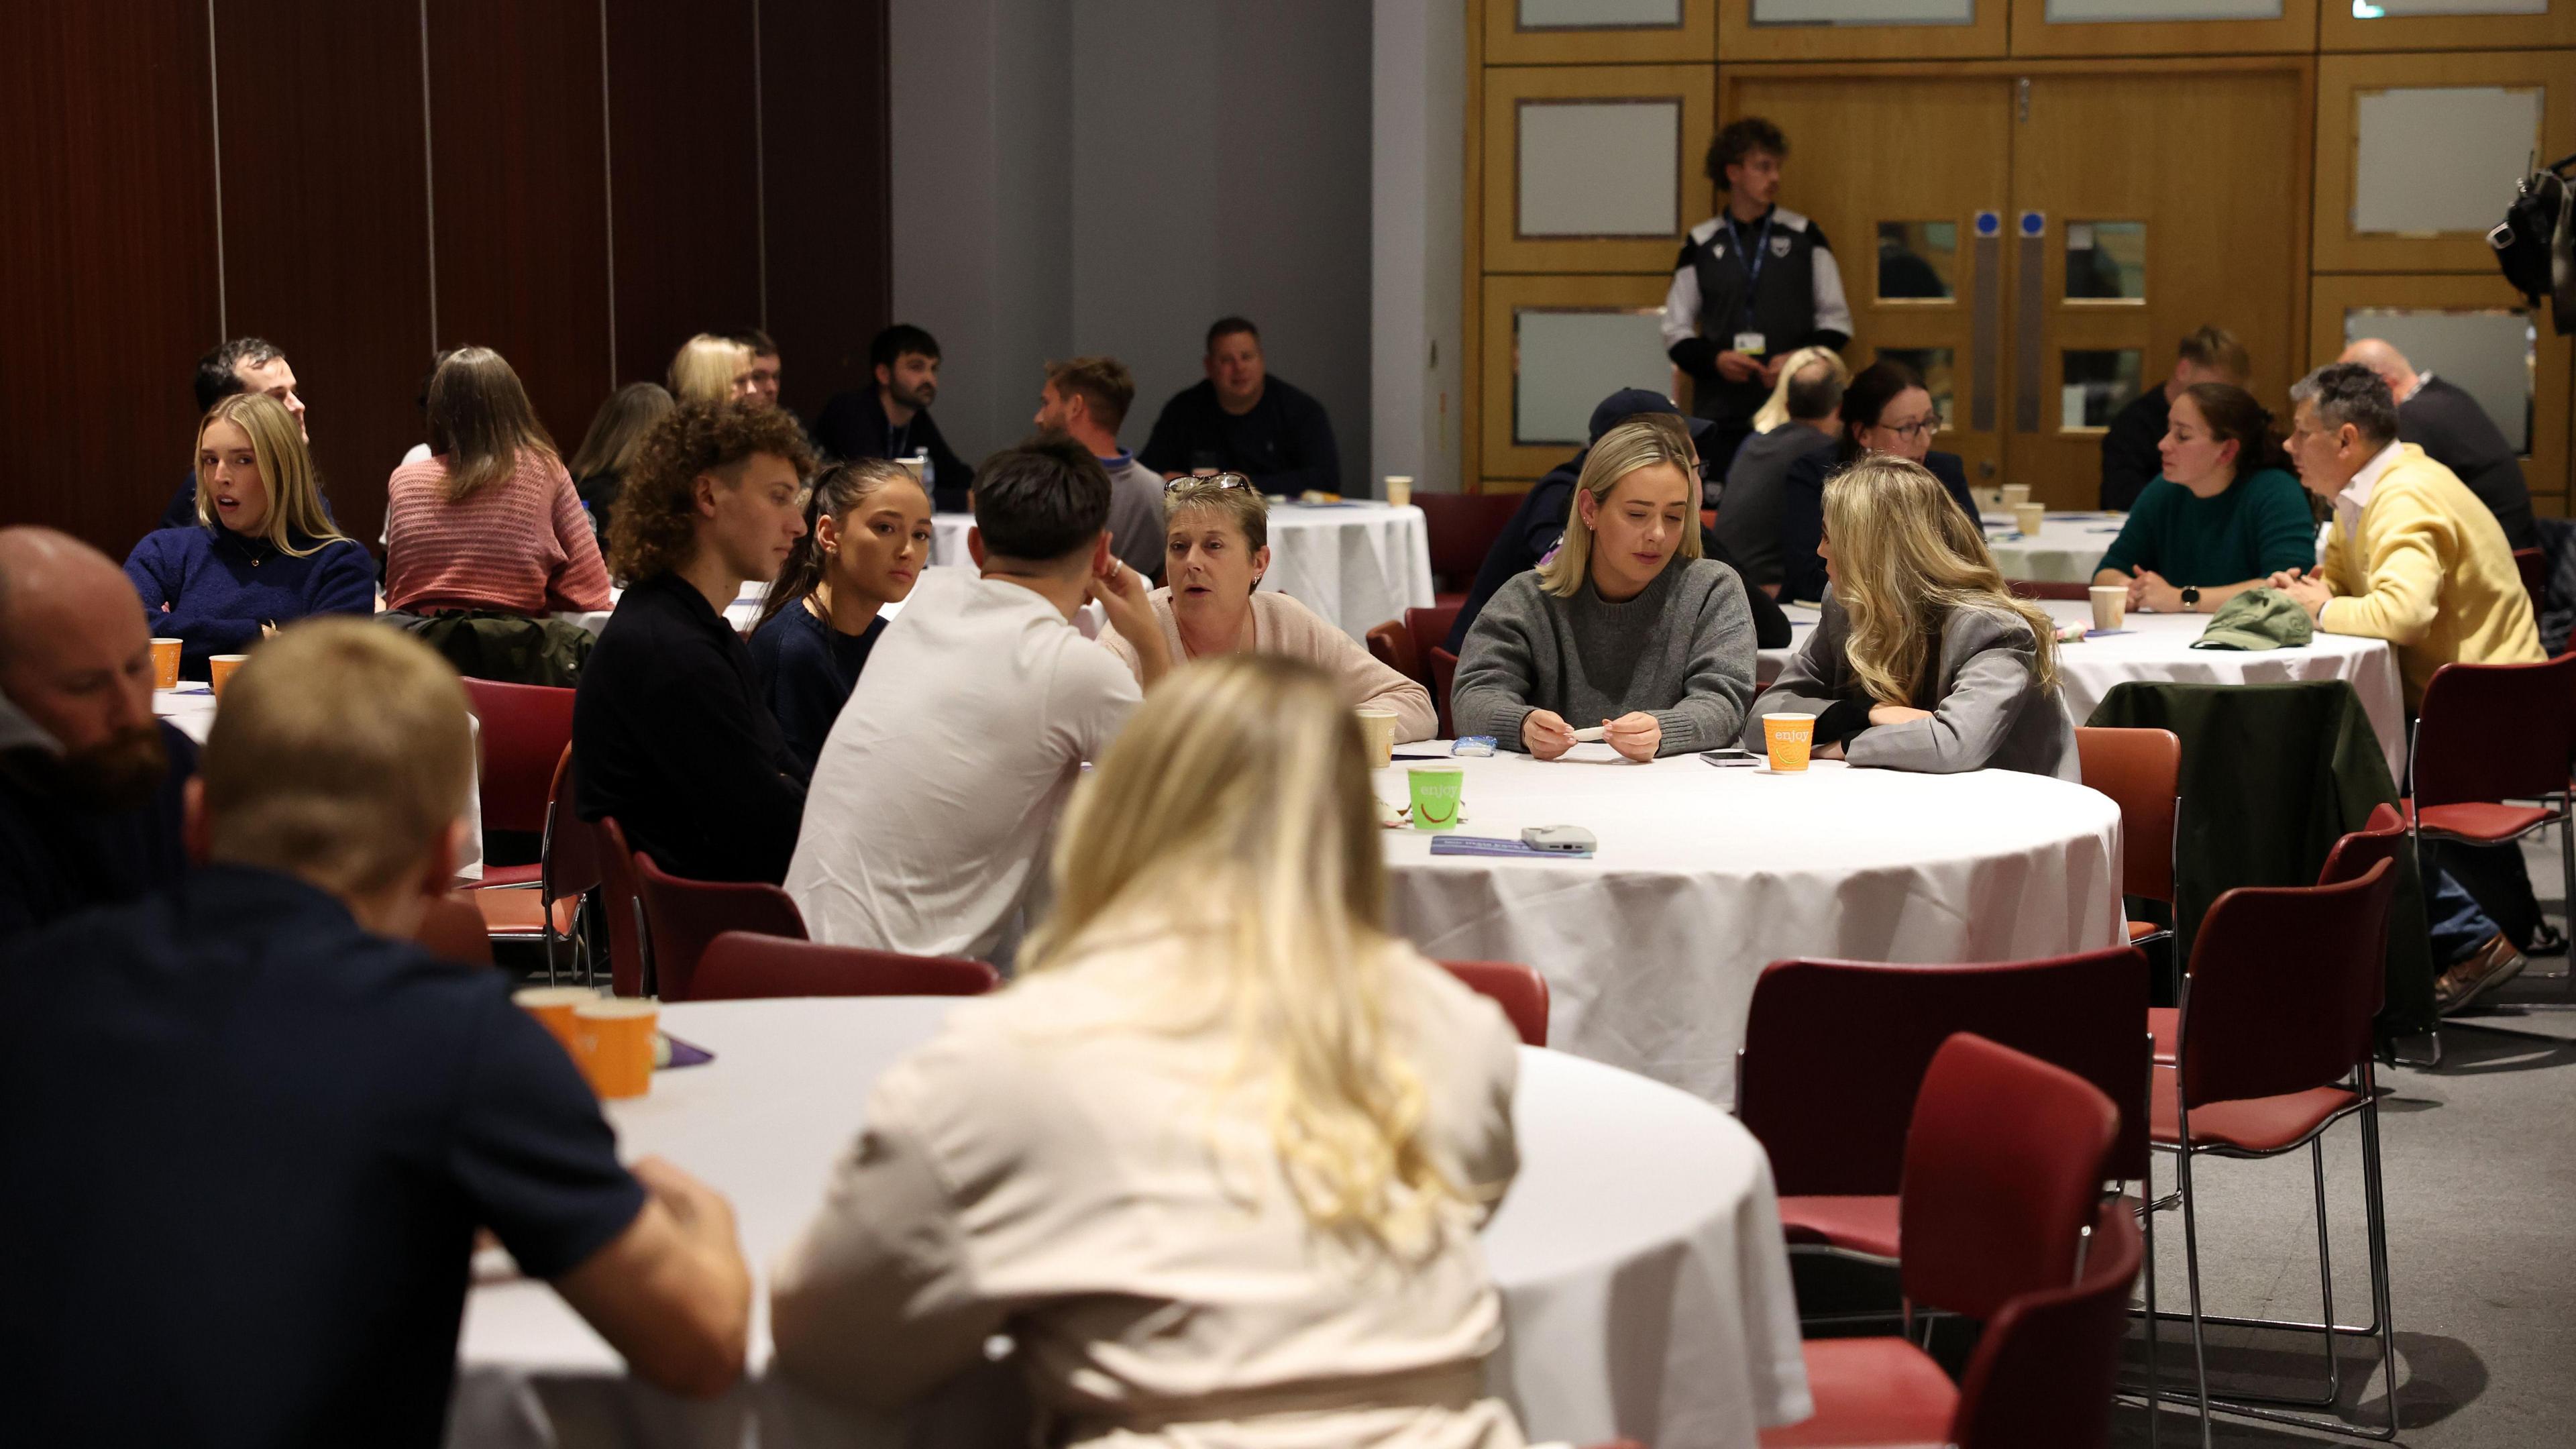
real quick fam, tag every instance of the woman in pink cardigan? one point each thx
(490, 519)
(1216, 548)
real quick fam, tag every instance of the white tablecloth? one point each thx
(1705, 875)
(192, 709)
(1356, 564)
(1644, 1280)
(2158, 647)
(2067, 549)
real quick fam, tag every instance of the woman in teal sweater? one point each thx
(2222, 517)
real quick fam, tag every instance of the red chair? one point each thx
(2044, 1371)
(2534, 566)
(681, 916)
(626, 973)
(1518, 989)
(1462, 528)
(2004, 1162)
(2275, 1047)
(567, 868)
(452, 929)
(2141, 770)
(1429, 630)
(2048, 589)
(1393, 647)
(1444, 677)
(2487, 735)
(743, 965)
(525, 730)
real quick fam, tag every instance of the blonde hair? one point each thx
(1905, 558)
(1642, 441)
(285, 469)
(1248, 509)
(344, 757)
(480, 419)
(704, 368)
(1775, 408)
(1239, 795)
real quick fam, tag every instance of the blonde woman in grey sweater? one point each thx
(1626, 628)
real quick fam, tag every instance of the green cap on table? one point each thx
(2258, 619)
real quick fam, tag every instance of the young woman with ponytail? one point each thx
(867, 536)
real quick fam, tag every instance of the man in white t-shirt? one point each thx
(936, 793)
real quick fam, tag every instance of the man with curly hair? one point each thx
(668, 726)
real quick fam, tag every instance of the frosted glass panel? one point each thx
(1564, 363)
(1864, 12)
(1600, 168)
(1599, 14)
(2488, 355)
(2440, 159)
(2095, 12)
(2366, 10)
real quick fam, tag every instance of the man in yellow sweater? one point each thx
(2413, 558)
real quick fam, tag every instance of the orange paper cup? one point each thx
(613, 1042)
(553, 1005)
(220, 668)
(1787, 737)
(165, 664)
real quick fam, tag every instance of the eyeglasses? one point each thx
(1922, 428)
(1211, 480)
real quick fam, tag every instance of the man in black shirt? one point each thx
(891, 419)
(90, 782)
(2453, 430)
(1243, 420)
(250, 1128)
(2130, 458)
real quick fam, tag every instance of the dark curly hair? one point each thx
(1742, 136)
(655, 527)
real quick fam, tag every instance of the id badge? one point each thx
(1751, 344)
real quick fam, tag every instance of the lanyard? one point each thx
(1752, 257)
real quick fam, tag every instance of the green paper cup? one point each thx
(1436, 789)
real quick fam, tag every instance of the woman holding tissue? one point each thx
(2223, 517)
(1924, 660)
(1217, 547)
(1625, 634)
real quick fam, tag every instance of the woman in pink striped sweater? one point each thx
(490, 519)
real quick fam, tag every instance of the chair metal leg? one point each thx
(2374, 1197)
(2155, 1326)
(2191, 1272)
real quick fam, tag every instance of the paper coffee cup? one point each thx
(1399, 491)
(2029, 516)
(613, 1042)
(1436, 791)
(553, 1007)
(220, 668)
(2110, 605)
(1377, 732)
(1788, 738)
(2016, 494)
(165, 663)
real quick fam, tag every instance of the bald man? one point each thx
(90, 781)
(2454, 431)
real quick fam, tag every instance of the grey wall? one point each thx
(1113, 175)
(1419, 199)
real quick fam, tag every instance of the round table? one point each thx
(2158, 647)
(2067, 549)
(1704, 876)
(1639, 1254)
(1357, 564)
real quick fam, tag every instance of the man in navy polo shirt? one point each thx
(248, 1128)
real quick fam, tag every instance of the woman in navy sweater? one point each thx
(263, 552)
(867, 535)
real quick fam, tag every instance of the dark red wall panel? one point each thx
(831, 261)
(682, 145)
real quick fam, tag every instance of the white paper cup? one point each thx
(2016, 494)
(1399, 490)
(2028, 517)
(1377, 732)
(2110, 605)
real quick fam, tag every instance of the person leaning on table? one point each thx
(2221, 517)
(1217, 1160)
(1627, 627)
(1923, 660)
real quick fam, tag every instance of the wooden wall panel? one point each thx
(107, 259)
(682, 142)
(519, 178)
(829, 185)
(326, 223)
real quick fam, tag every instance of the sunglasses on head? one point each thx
(1210, 480)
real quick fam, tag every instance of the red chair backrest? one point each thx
(681, 916)
(741, 965)
(617, 890)
(1393, 647)
(1835, 1051)
(526, 728)
(1462, 528)
(2534, 567)
(2044, 1370)
(453, 930)
(2142, 771)
(1429, 629)
(2284, 982)
(2495, 732)
(2004, 1163)
(1518, 989)
(571, 845)
(1444, 677)
(2354, 854)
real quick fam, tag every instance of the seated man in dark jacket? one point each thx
(90, 782)
(1243, 420)
(892, 418)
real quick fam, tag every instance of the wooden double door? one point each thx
(2036, 240)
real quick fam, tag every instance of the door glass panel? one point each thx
(1936, 366)
(2487, 354)
(2365, 10)
(1565, 361)
(1917, 261)
(2440, 159)
(1864, 12)
(1600, 168)
(1599, 14)
(2098, 383)
(2106, 261)
(2094, 12)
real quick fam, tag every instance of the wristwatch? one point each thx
(2191, 599)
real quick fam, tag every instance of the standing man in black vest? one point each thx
(1754, 283)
